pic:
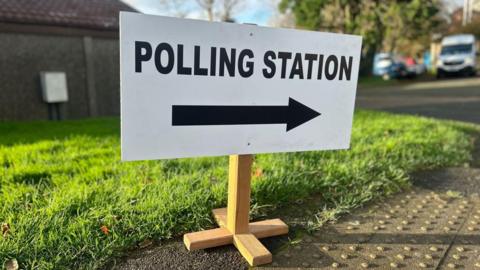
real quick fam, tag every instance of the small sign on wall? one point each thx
(54, 86)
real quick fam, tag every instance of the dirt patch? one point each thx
(174, 255)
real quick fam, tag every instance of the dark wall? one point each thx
(106, 55)
(24, 56)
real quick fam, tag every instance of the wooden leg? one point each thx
(220, 215)
(234, 220)
(251, 249)
(207, 239)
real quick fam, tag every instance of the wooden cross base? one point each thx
(247, 243)
(234, 220)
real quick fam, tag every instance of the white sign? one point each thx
(196, 88)
(54, 86)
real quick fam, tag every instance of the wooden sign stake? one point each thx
(234, 220)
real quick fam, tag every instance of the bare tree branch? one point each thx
(208, 6)
(229, 7)
(176, 8)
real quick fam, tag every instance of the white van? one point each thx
(457, 56)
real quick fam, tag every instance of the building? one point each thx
(78, 37)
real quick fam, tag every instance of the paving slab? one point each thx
(436, 225)
(410, 231)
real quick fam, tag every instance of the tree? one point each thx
(284, 19)
(408, 25)
(208, 6)
(353, 17)
(384, 25)
(222, 10)
(228, 8)
(472, 28)
(456, 26)
(176, 8)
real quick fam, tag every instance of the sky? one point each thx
(454, 3)
(251, 11)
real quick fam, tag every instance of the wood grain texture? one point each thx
(240, 170)
(268, 228)
(261, 229)
(207, 239)
(220, 215)
(251, 249)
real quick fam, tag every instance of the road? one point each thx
(455, 99)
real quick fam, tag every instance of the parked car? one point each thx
(413, 67)
(388, 66)
(457, 56)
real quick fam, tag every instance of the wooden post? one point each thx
(238, 206)
(234, 220)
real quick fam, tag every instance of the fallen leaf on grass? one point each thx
(105, 230)
(11, 264)
(5, 229)
(258, 172)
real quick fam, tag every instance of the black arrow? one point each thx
(293, 115)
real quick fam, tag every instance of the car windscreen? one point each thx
(384, 58)
(456, 49)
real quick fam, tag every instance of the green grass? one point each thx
(375, 81)
(61, 182)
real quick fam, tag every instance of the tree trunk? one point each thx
(366, 61)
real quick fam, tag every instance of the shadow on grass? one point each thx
(32, 178)
(34, 131)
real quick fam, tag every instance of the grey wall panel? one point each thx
(107, 76)
(23, 56)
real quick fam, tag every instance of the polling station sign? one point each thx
(195, 88)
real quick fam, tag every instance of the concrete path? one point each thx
(436, 225)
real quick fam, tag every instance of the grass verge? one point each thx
(378, 82)
(71, 204)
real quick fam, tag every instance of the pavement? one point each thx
(435, 225)
(425, 228)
